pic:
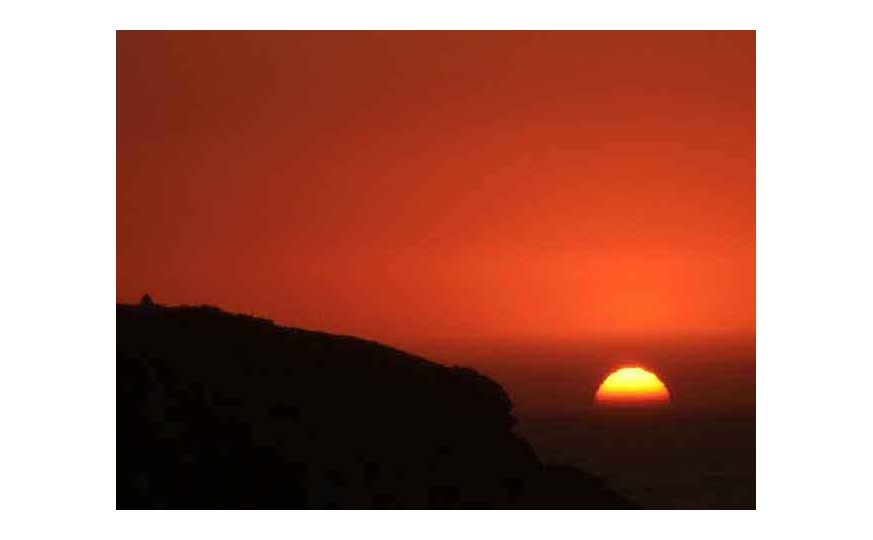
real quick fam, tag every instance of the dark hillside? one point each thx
(217, 410)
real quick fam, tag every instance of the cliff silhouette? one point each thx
(218, 410)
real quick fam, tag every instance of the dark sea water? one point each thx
(661, 459)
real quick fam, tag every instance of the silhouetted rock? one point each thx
(217, 410)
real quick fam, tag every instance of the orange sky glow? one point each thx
(443, 187)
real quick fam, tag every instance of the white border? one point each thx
(57, 209)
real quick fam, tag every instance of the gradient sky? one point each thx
(444, 192)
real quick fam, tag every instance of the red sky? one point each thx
(444, 191)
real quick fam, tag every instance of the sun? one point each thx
(632, 386)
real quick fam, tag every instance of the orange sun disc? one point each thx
(630, 386)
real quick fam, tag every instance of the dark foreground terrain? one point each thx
(217, 410)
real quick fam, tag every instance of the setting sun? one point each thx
(632, 385)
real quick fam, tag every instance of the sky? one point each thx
(484, 198)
